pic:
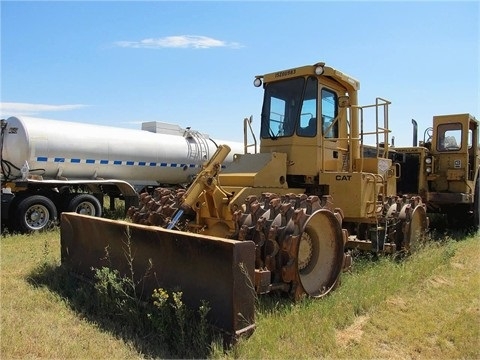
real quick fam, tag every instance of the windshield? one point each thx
(281, 106)
(290, 107)
(449, 137)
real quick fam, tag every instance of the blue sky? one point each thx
(193, 63)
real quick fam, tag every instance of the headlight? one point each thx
(257, 82)
(428, 170)
(319, 70)
(428, 160)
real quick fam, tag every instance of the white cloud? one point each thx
(15, 108)
(181, 41)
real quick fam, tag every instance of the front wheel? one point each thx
(85, 204)
(35, 213)
(320, 253)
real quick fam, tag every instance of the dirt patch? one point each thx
(353, 333)
(398, 303)
(438, 281)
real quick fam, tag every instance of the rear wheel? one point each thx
(85, 204)
(416, 229)
(35, 213)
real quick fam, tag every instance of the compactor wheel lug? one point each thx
(291, 251)
(313, 204)
(305, 251)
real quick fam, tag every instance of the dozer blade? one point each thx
(216, 270)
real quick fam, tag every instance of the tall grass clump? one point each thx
(117, 213)
(183, 331)
(187, 332)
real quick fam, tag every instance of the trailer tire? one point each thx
(85, 204)
(35, 213)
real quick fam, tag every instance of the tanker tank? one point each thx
(53, 149)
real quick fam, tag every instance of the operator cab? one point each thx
(302, 116)
(455, 149)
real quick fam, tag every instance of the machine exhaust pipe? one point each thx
(415, 133)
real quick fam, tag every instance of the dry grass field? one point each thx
(426, 306)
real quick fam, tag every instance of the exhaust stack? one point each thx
(415, 133)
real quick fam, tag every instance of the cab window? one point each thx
(449, 137)
(329, 113)
(281, 107)
(307, 126)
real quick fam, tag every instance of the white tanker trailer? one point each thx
(50, 166)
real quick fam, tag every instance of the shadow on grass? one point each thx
(136, 322)
(132, 321)
(441, 229)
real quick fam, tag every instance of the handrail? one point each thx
(376, 179)
(247, 125)
(380, 128)
(381, 133)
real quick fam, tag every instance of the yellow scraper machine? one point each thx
(278, 219)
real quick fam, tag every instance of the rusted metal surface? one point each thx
(298, 239)
(216, 270)
(401, 225)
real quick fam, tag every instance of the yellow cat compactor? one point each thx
(443, 169)
(278, 218)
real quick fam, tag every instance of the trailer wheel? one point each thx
(35, 213)
(85, 204)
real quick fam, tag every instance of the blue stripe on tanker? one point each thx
(115, 162)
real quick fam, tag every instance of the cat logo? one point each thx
(343, 177)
